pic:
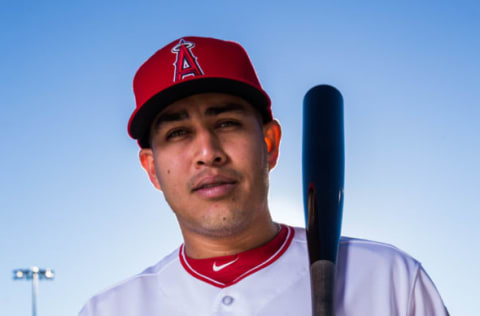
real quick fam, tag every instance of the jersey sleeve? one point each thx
(425, 299)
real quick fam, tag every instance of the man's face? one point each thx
(209, 157)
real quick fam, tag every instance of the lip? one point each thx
(214, 186)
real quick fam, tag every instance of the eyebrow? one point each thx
(210, 111)
(170, 117)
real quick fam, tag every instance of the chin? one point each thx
(222, 225)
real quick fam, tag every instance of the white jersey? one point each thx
(372, 279)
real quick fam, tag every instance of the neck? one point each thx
(201, 245)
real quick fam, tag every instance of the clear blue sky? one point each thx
(74, 198)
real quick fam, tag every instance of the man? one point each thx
(208, 141)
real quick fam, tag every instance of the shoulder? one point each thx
(370, 271)
(162, 264)
(374, 250)
(365, 257)
(385, 274)
(354, 253)
(362, 248)
(103, 302)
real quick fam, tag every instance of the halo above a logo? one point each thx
(186, 63)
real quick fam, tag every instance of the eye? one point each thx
(176, 133)
(228, 123)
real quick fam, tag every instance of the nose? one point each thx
(209, 149)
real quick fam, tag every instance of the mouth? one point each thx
(214, 186)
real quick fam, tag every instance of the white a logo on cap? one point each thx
(186, 63)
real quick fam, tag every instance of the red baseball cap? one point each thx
(188, 66)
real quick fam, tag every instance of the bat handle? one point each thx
(323, 282)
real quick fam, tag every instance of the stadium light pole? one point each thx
(35, 274)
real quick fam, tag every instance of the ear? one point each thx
(148, 163)
(272, 133)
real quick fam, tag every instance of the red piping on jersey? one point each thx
(278, 253)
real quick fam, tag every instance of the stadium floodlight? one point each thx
(35, 274)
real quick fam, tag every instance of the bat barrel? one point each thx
(323, 179)
(323, 170)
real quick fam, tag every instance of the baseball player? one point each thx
(208, 141)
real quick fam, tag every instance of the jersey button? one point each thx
(227, 300)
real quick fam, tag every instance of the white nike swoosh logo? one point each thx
(220, 267)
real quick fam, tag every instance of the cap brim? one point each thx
(141, 121)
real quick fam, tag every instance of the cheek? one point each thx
(251, 155)
(172, 181)
(169, 172)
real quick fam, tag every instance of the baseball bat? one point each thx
(323, 180)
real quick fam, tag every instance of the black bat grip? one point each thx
(323, 181)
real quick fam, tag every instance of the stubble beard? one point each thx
(231, 217)
(225, 221)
